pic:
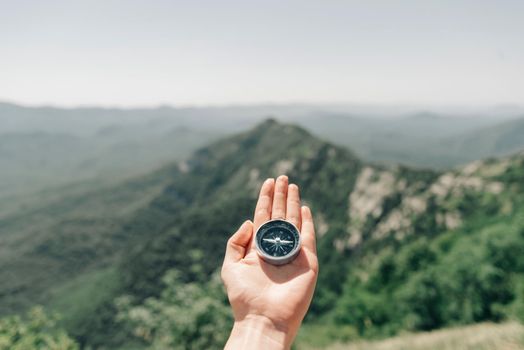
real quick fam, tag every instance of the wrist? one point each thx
(259, 332)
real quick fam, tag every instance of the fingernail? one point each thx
(270, 179)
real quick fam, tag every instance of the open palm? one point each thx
(255, 288)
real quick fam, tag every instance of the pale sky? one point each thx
(136, 53)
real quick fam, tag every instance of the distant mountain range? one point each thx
(399, 248)
(422, 140)
(42, 147)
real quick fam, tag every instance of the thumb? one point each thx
(238, 244)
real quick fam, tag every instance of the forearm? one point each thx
(258, 332)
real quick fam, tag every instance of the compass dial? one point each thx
(278, 241)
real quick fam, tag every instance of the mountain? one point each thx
(498, 140)
(425, 139)
(66, 234)
(43, 147)
(399, 248)
(38, 160)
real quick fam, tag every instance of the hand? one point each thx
(269, 302)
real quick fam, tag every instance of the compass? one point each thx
(277, 241)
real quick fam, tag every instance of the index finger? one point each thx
(264, 203)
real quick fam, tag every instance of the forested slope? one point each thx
(399, 248)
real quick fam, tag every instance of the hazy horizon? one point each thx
(404, 108)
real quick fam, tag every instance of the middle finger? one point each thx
(279, 198)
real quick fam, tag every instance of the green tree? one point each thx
(185, 316)
(36, 331)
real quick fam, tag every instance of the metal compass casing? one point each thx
(277, 241)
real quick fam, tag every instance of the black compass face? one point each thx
(277, 238)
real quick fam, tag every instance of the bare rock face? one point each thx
(371, 189)
(383, 203)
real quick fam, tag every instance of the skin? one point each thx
(269, 302)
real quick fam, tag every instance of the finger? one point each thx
(265, 199)
(264, 204)
(279, 198)
(293, 206)
(308, 231)
(238, 243)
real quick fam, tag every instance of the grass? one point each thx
(75, 298)
(484, 336)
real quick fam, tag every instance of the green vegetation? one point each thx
(184, 316)
(399, 249)
(61, 239)
(458, 278)
(69, 299)
(35, 331)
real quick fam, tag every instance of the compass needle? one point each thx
(277, 241)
